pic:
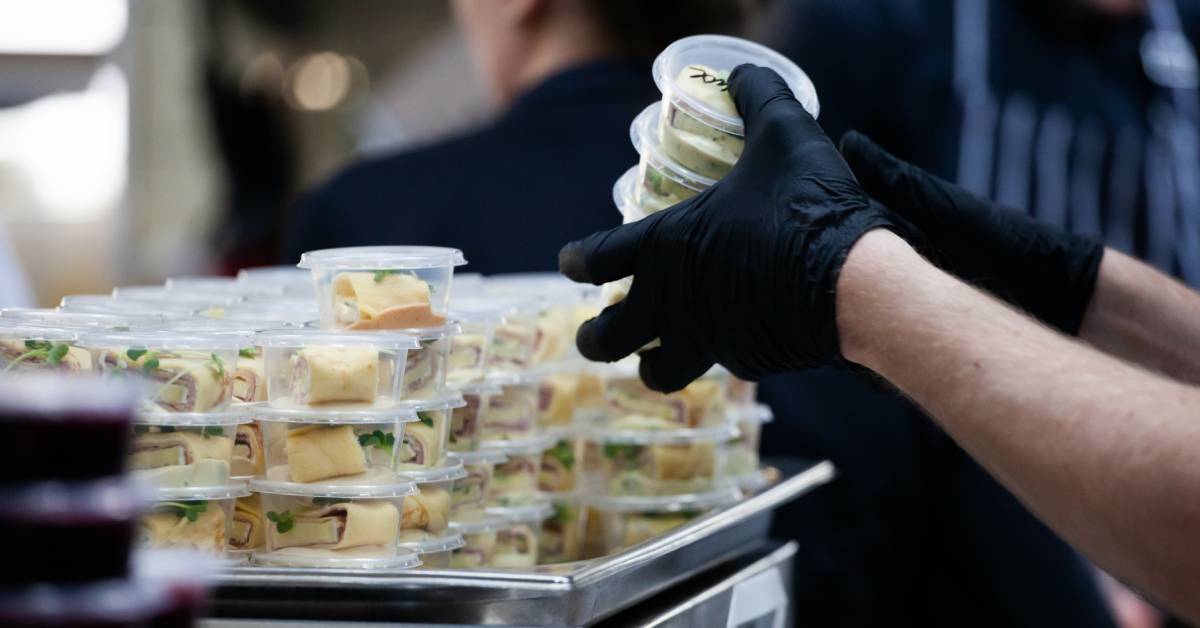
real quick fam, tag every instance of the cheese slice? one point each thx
(429, 510)
(422, 446)
(248, 459)
(317, 452)
(250, 380)
(368, 300)
(161, 449)
(335, 374)
(154, 528)
(345, 525)
(681, 462)
(247, 526)
(206, 533)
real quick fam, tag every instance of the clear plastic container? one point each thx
(184, 450)
(196, 519)
(107, 304)
(561, 462)
(631, 405)
(590, 406)
(470, 350)
(466, 421)
(36, 348)
(662, 180)
(624, 198)
(247, 531)
(425, 440)
(516, 480)
(512, 413)
(220, 286)
(427, 514)
(295, 282)
(515, 338)
(344, 448)
(561, 539)
(700, 125)
(279, 316)
(189, 372)
(425, 374)
(479, 542)
(742, 458)
(159, 298)
(517, 542)
(664, 462)
(308, 368)
(383, 287)
(59, 319)
(470, 496)
(623, 522)
(557, 396)
(67, 532)
(434, 552)
(334, 526)
(84, 421)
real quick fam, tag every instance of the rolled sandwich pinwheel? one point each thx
(427, 514)
(425, 439)
(36, 348)
(193, 518)
(337, 446)
(517, 541)
(181, 450)
(246, 530)
(249, 459)
(326, 370)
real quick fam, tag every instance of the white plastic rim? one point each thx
(388, 257)
(37, 332)
(444, 472)
(304, 337)
(221, 286)
(722, 52)
(44, 395)
(623, 196)
(244, 329)
(425, 334)
(480, 389)
(487, 523)
(153, 296)
(523, 447)
(79, 320)
(282, 274)
(665, 503)
(106, 304)
(479, 456)
(644, 134)
(365, 416)
(714, 434)
(235, 416)
(756, 412)
(164, 340)
(399, 488)
(195, 493)
(287, 559)
(446, 543)
(532, 513)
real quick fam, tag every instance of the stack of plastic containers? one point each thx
(72, 512)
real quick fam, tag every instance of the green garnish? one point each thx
(328, 501)
(562, 513)
(249, 354)
(212, 430)
(283, 520)
(425, 418)
(216, 359)
(616, 450)
(384, 441)
(54, 352)
(134, 354)
(186, 510)
(564, 454)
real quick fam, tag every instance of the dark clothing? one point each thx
(510, 194)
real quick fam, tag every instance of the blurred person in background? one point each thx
(1084, 111)
(567, 78)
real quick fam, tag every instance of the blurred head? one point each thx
(515, 44)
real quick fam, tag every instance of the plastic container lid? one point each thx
(487, 523)
(432, 546)
(106, 304)
(59, 318)
(281, 274)
(301, 337)
(714, 434)
(363, 416)
(280, 317)
(57, 397)
(532, 513)
(430, 333)
(480, 311)
(666, 503)
(399, 488)
(198, 419)
(480, 388)
(374, 257)
(524, 447)
(444, 472)
(479, 456)
(243, 329)
(623, 196)
(221, 286)
(722, 52)
(756, 412)
(293, 558)
(447, 400)
(160, 294)
(37, 332)
(644, 133)
(192, 493)
(164, 340)
(113, 499)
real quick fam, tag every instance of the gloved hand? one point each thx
(1035, 266)
(743, 274)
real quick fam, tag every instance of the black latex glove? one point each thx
(1035, 266)
(745, 273)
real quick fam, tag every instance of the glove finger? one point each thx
(671, 367)
(619, 330)
(755, 89)
(606, 256)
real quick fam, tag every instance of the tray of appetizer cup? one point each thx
(572, 593)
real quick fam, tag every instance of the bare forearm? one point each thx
(1142, 316)
(1100, 450)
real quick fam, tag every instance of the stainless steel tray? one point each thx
(570, 594)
